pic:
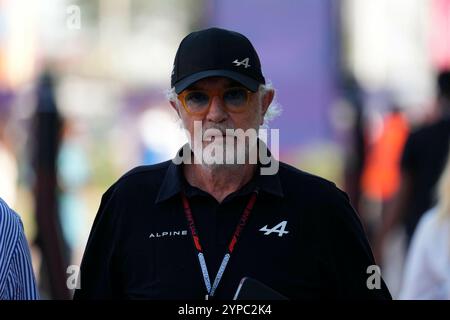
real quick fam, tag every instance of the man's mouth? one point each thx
(223, 135)
(213, 138)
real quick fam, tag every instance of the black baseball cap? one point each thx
(216, 52)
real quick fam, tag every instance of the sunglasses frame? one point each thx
(211, 94)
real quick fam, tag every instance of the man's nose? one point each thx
(217, 112)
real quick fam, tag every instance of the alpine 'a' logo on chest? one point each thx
(279, 229)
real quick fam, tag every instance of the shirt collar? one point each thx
(174, 179)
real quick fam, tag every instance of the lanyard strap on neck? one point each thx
(195, 237)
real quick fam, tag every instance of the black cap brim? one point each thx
(248, 82)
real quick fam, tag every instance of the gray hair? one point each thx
(273, 111)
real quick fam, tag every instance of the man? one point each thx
(422, 163)
(194, 227)
(16, 273)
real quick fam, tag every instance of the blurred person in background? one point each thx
(381, 173)
(162, 230)
(427, 267)
(17, 280)
(46, 125)
(422, 162)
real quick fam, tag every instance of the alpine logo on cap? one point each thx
(244, 63)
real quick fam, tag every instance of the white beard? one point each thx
(225, 152)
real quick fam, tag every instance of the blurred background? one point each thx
(82, 100)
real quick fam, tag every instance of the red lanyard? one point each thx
(195, 237)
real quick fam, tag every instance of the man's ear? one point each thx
(265, 103)
(174, 106)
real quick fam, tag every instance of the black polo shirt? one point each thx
(311, 245)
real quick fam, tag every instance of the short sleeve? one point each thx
(97, 271)
(352, 262)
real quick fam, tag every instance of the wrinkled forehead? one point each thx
(214, 83)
